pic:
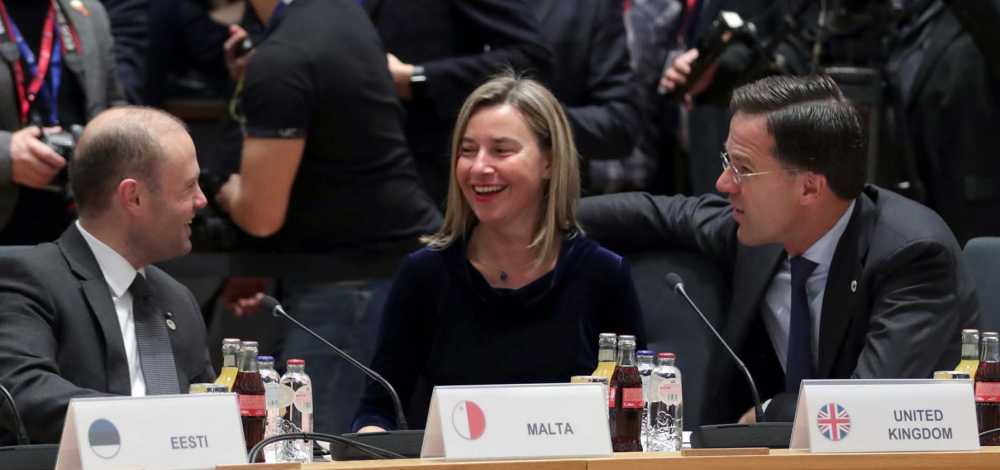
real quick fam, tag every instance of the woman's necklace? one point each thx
(503, 270)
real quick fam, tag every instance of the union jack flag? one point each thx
(834, 422)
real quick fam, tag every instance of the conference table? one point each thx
(698, 459)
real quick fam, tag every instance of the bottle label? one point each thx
(286, 396)
(271, 394)
(252, 405)
(987, 392)
(632, 397)
(304, 399)
(612, 391)
(670, 392)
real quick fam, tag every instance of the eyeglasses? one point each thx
(738, 177)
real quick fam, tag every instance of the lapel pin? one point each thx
(854, 286)
(171, 325)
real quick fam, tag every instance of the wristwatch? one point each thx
(417, 81)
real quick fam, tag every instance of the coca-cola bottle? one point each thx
(625, 400)
(988, 388)
(250, 389)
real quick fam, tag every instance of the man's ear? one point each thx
(131, 196)
(813, 187)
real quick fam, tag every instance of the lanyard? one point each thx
(48, 62)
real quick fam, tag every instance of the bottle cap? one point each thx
(667, 355)
(608, 336)
(265, 359)
(644, 352)
(296, 362)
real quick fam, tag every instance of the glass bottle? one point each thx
(230, 365)
(666, 406)
(645, 364)
(988, 388)
(250, 390)
(625, 409)
(970, 352)
(606, 356)
(271, 381)
(297, 413)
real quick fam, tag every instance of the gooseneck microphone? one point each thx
(22, 438)
(675, 283)
(271, 304)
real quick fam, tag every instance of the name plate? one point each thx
(885, 416)
(164, 432)
(498, 422)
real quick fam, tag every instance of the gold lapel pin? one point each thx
(854, 286)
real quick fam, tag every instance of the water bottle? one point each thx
(295, 399)
(271, 379)
(666, 406)
(645, 364)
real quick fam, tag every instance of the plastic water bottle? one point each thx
(645, 364)
(666, 406)
(295, 399)
(271, 379)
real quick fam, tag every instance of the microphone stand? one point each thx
(402, 441)
(759, 434)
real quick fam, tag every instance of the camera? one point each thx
(212, 229)
(63, 143)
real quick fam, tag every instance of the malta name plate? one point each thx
(164, 432)
(885, 416)
(502, 422)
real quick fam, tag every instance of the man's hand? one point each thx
(236, 64)
(677, 76)
(370, 429)
(32, 163)
(401, 75)
(229, 192)
(749, 417)
(242, 294)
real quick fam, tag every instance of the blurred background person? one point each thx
(325, 169)
(510, 267)
(593, 82)
(45, 86)
(439, 51)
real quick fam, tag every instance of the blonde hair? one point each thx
(545, 117)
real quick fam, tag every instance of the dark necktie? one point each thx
(155, 356)
(798, 363)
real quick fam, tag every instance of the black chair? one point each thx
(671, 325)
(983, 257)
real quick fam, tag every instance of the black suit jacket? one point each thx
(592, 79)
(460, 43)
(897, 295)
(60, 338)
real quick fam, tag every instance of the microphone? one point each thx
(759, 434)
(271, 304)
(677, 285)
(22, 438)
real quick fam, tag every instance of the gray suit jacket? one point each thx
(911, 294)
(60, 337)
(94, 66)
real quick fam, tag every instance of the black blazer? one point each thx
(460, 43)
(897, 295)
(60, 338)
(592, 79)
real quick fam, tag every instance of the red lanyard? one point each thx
(26, 97)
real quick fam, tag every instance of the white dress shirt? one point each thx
(119, 274)
(778, 300)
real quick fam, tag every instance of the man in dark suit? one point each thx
(592, 78)
(88, 315)
(831, 279)
(30, 212)
(441, 50)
